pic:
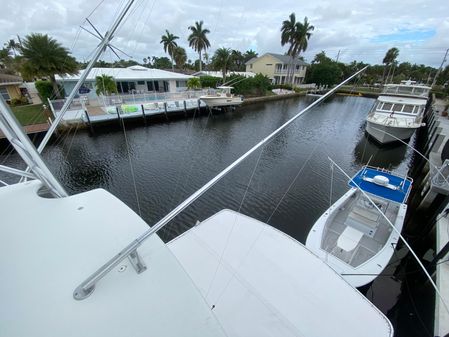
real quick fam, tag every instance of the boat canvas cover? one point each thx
(398, 195)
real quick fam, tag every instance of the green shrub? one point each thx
(45, 90)
(250, 86)
(19, 101)
(210, 81)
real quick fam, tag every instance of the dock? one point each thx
(32, 129)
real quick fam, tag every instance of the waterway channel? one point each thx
(153, 168)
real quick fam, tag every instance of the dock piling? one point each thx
(91, 128)
(143, 114)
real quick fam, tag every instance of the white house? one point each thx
(134, 79)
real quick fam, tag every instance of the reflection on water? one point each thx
(390, 156)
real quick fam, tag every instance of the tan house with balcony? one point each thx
(276, 67)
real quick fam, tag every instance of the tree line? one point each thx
(40, 56)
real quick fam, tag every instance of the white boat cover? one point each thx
(261, 282)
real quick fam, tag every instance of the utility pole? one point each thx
(440, 68)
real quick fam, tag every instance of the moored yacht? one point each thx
(398, 112)
(222, 97)
(352, 236)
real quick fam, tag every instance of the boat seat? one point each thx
(364, 220)
(349, 239)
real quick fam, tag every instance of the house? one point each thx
(131, 80)
(276, 67)
(10, 87)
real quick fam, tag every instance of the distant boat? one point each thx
(398, 112)
(222, 98)
(352, 236)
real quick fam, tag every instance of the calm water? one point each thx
(172, 160)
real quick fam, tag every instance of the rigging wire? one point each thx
(235, 221)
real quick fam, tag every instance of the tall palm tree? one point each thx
(222, 59)
(249, 54)
(389, 59)
(297, 35)
(169, 45)
(43, 56)
(180, 57)
(198, 39)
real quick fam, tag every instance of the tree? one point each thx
(105, 85)
(249, 54)
(389, 60)
(12, 45)
(198, 39)
(324, 71)
(180, 57)
(194, 83)
(237, 61)
(221, 60)
(160, 62)
(168, 40)
(43, 56)
(297, 35)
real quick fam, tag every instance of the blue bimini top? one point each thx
(383, 184)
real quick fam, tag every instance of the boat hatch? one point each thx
(397, 189)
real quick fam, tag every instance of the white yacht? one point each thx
(352, 236)
(398, 112)
(87, 265)
(221, 97)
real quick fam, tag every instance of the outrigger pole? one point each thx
(88, 286)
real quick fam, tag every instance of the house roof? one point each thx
(130, 73)
(280, 57)
(6, 79)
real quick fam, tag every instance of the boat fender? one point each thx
(381, 180)
(423, 124)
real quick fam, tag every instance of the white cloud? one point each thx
(347, 25)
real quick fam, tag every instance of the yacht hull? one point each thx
(384, 134)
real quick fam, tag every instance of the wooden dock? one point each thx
(32, 129)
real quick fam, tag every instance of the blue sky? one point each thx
(404, 35)
(361, 30)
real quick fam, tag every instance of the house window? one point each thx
(181, 84)
(150, 86)
(141, 82)
(284, 67)
(250, 66)
(269, 64)
(5, 94)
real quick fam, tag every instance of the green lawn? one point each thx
(30, 114)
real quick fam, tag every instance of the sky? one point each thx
(360, 30)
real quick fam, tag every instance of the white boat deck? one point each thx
(359, 214)
(49, 246)
(263, 283)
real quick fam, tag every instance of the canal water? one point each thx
(153, 168)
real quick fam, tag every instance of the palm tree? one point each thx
(198, 40)
(169, 45)
(296, 34)
(12, 45)
(180, 57)
(105, 85)
(249, 54)
(46, 57)
(221, 60)
(389, 59)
